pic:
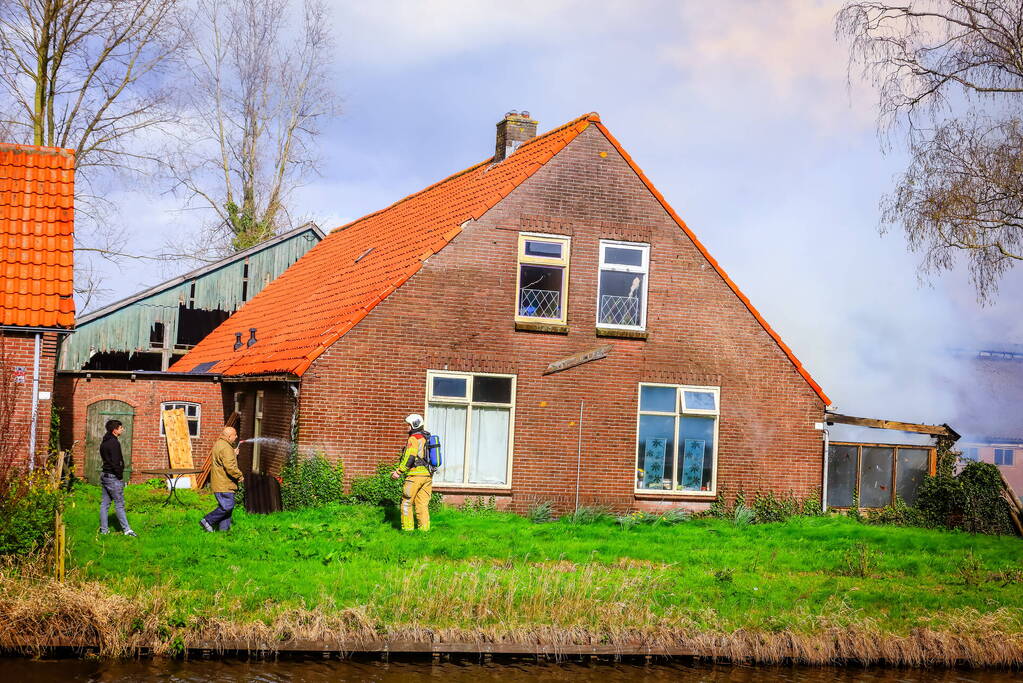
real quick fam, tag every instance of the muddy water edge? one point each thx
(316, 671)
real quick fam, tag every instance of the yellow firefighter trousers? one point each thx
(418, 489)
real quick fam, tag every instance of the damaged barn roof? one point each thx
(37, 193)
(358, 265)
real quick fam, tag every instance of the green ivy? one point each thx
(971, 500)
(311, 481)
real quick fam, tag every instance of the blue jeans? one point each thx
(221, 517)
(113, 490)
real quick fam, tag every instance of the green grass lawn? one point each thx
(490, 569)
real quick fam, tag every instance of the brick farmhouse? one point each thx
(36, 291)
(555, 321)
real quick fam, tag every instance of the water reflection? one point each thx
(52, 671)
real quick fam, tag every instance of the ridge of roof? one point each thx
(591, 117)
(717, 266)
(65, 152)
(198, 272)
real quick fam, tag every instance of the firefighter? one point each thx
(418, 477)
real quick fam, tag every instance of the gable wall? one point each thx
(457, 314)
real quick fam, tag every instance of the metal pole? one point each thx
(579, 455)
(35, 408)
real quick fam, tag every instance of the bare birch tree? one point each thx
(949, 74)
(259, 93)
(86, 75)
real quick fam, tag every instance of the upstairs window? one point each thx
(621, 294)
(191, 414)
(542, 279)
(1003, 456)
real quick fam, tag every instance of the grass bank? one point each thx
(811, 589)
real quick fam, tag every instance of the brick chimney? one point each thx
(512, 131)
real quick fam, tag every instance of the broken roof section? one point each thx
(127, 325)
(37, 192)
(358, 265)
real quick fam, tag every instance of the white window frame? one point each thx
(257, 430)
(563, 262)
(680, 412)
(469, 404)
(171, 405)
(1012, 456)
(643, 270)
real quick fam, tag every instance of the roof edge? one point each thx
(203, 270)
(713, 262)
(65, 152)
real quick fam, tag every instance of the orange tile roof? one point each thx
(358, 265)
(36, 236)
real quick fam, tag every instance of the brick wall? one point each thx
(457, 314)
(17, 351)
(75, 393)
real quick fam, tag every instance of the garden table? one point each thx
(172, 476)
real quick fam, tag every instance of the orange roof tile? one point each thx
(338, 288)
(36, 236)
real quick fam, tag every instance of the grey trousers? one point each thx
(220, 518)
(113, 489)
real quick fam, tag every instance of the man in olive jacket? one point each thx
(224, 479)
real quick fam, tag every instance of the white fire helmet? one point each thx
(414, 421)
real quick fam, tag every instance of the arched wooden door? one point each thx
(95, 428)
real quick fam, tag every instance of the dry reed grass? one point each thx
(551, 606)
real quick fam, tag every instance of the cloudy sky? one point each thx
(740, 112)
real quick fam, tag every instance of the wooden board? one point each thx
(578, 359)
(179, 443)
(934, 430)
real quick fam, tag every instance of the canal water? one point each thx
(227, 671)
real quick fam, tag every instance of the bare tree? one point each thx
(259, 93)
(87, 75)
(949, 74)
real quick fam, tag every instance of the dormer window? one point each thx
(542, 279)
(621, 294)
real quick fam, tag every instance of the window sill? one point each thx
(621, 334)
(675, 495)
(472, 489)
(549, 328)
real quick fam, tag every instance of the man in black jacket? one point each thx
(110, 481)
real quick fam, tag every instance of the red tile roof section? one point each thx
(336, 292)
(326, 293)
(36, 236)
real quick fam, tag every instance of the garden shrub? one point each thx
(742, 515)
(479, 506)
(669, 518)
(28, 505)
(541, 512)
(311, 482)
(587, 515)
(897, 514)
(770, 508)
(971, 501)
(764, 508)
(380, 489)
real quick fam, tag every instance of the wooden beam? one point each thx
(934, 430)
(578, 359)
